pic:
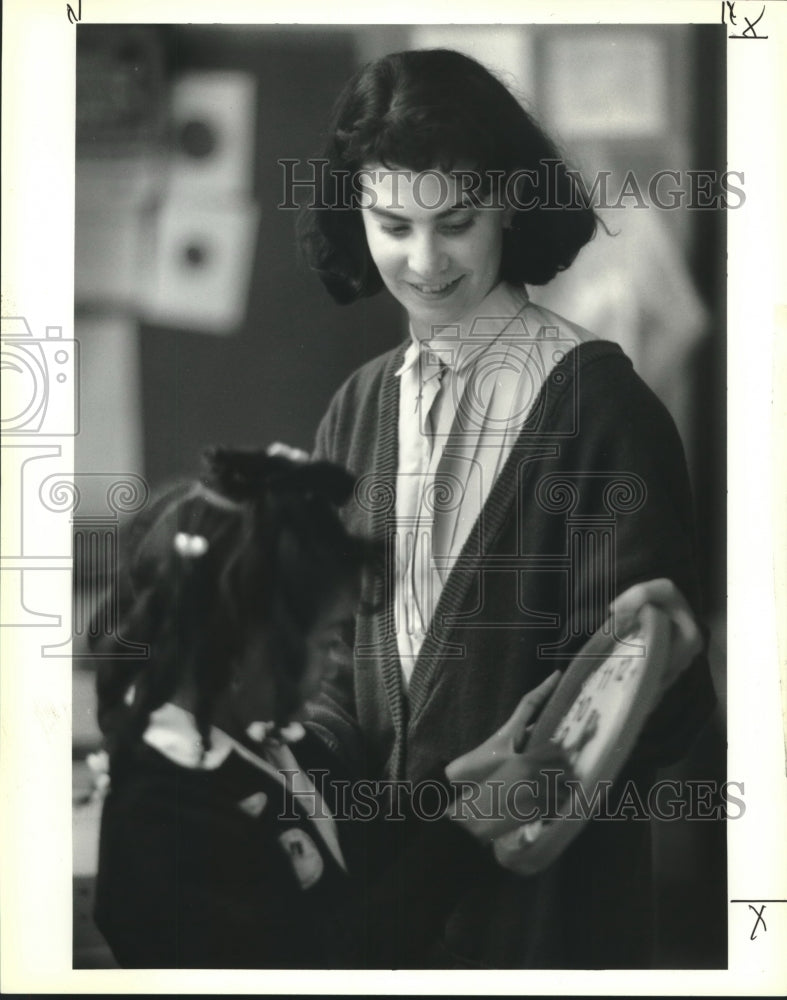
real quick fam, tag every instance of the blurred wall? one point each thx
(272, 379)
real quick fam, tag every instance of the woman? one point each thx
(522, 475)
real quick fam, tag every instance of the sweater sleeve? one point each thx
(627, 436)
(324, 438)
(411, 871)
(333, 716)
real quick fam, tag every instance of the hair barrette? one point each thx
(287, 451)
(190, 546)
(261, 731)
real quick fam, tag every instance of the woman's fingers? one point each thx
(523, 788)
(510, 739)
(477, 763)
(516, 728)
(521, 742)
(662, 593)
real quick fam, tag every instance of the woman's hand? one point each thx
(503, 785)
(687, 639)
(510, 739)
(523, 788)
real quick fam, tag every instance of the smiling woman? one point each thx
(405, 112)
(523, 478)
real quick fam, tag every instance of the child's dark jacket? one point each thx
(222, 868)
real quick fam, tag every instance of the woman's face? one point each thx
(437, 253)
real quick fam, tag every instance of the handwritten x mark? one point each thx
(750, 26)
(760, 920)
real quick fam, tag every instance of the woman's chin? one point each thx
(427, 319)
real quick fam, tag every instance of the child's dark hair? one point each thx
(439, 109)
(256, 548)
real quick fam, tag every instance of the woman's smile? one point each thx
(434, 290)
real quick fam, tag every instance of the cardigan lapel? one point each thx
(529, 445)
(383, 514)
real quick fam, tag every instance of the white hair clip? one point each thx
(258, 731)
(292, 732)
(287, 451)
(190, 546)
(261, 731)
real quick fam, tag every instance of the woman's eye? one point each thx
(457, 227)
(449, 228)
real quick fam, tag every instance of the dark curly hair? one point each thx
(276, 553)
(439, 109)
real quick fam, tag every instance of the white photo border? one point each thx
(35, 693)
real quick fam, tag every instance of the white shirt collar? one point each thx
(463, 342)
(173, 732)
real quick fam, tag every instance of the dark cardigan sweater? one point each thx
(593, 499)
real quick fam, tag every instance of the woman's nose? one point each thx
(426, 257)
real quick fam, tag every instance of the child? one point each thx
(216, 849)
(240, 586)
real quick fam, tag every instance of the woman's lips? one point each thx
(434, 290)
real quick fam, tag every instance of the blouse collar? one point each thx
(460, 344)
(172, 731)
